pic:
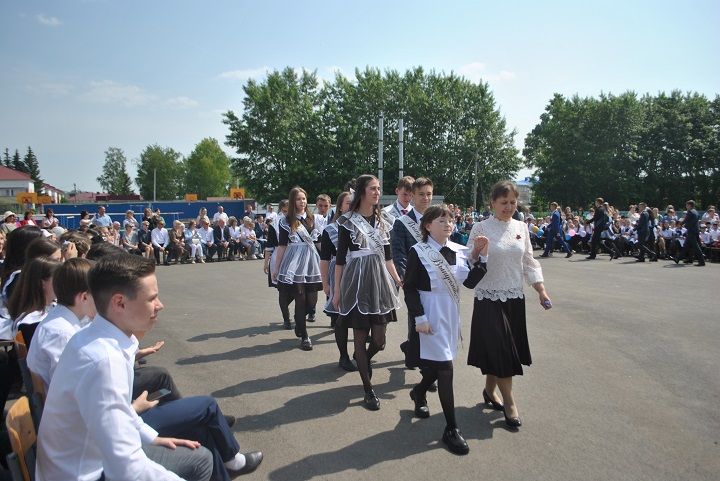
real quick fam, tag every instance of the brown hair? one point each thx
(292, 215)
(41, 247)
(29, 295)
(503, 189)
(117, 273)
(81, 241)
(421, 182)
(324, 197)
(361, 184)
(71, 279)
(405, 183)
(338, 205)
(691, 203)
(433, 212)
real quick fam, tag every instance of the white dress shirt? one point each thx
(50, 339)
(206, 235)
(89, 426)
(235, 233)
(220, 215)
(160, 237)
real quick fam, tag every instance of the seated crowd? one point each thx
(81, 306)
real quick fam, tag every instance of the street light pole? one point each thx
(380, 151)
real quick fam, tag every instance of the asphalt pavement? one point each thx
(624, 383)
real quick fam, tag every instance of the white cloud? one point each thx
(245, 74)
(108, 92)
(182, 103)
(477, 71)
(48, 21)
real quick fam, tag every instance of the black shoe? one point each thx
(252, 461)
(433, 387)
(421, 408)
(701, 265)
(333, 322)
(512, 423)
(491, 402)
(287, 325)
(544, 255)
(311, 318)
(569, 255)
(590, 258)
(674, 259)
(346, 364)
(454, 441)
(403, 347)
(371, 401)
(306, 344)
(230, 420)
(641, 259)
(654, 259)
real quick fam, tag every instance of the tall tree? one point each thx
(18, 164)
(33, 168)
(207, 170)
(166, 164)
(115, 179)
(7, 161)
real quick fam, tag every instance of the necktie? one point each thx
(404, 211)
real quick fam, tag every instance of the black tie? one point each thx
(448, 254)
(404, 211)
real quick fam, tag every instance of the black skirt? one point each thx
(299, 288)
(357, 320)
(498, 337)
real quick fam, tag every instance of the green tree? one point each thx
(18, 164)
(166, 164)
(115, 179)
(207, 170)
(7, 161)
(33, 169)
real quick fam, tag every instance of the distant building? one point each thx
(53, 192)
(13, 182)
(525, 189)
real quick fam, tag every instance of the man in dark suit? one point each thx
(599, 221)
(221, 233)
(690, 222)
(646, 239)
(555, 231)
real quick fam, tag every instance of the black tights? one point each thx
(341, 337)
(444, 376)
(284, 299)
(304, 301)
(363, 355)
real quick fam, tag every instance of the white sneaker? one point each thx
(192, 261)
(202, 260)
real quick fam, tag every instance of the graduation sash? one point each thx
(430, 256)
(412, 227)
(374, 241)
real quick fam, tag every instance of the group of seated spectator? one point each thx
(71, 291)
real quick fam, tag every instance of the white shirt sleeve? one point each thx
(115, 428)
(531, 267)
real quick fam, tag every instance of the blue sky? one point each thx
(77, 77)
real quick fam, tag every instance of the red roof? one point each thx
(7, 173)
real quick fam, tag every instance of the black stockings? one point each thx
(284, 299)
(444, 378)
(363, 355)
(341, 337)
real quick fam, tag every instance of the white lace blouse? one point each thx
(510, 257)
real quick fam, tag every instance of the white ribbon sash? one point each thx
(374, 241)
(412, 226)
(435, 259)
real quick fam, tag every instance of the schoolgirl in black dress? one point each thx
(298, 262)
(366, 281)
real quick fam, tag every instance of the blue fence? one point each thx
(69, 214)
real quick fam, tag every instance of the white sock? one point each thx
(238, 462)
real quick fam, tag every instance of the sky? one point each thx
(79, 76)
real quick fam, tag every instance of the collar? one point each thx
(450, 245)
(302, 217)
(129, 345)
(60, 311)
(399, 207)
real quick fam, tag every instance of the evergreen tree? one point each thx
(7, 161)
(33, 168)
(18, 164)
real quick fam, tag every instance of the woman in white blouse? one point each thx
(498, 338)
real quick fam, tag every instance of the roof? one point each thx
(52, 187)
(6, 173)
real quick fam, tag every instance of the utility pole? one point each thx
(401, 145)
(380, 151)
(475, 182)
(154, 185)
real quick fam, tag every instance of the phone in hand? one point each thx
(159, 394)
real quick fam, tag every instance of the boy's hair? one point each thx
(117, 273)
(406, 183)
(71, 279)
(421, 182)
(324, 197)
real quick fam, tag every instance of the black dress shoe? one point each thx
(569, 255)
(512, 423)
(433, 387)
(346, 364)
(590, 258)
(371, 401)
(306, 344)
(421, 408)
(454, 441)
(287, 325)
(252, 461)
(229, 419)
(491, 402)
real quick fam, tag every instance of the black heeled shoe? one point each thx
(492, 403)
(512, 423)
(371, 401)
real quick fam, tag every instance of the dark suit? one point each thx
(646, 239)
(555, 229)
(222, 240)
(599, 221)
(692, 240)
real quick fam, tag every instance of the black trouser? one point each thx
(156, 252)
(595, 241)
(692, 245)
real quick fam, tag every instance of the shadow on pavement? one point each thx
(251, 331)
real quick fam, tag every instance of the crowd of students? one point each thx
(81, 309)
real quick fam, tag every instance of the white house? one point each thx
(13, 182)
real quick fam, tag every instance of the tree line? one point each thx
(27, 164)
(206, 172)
(662, 149)
(297, 130)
